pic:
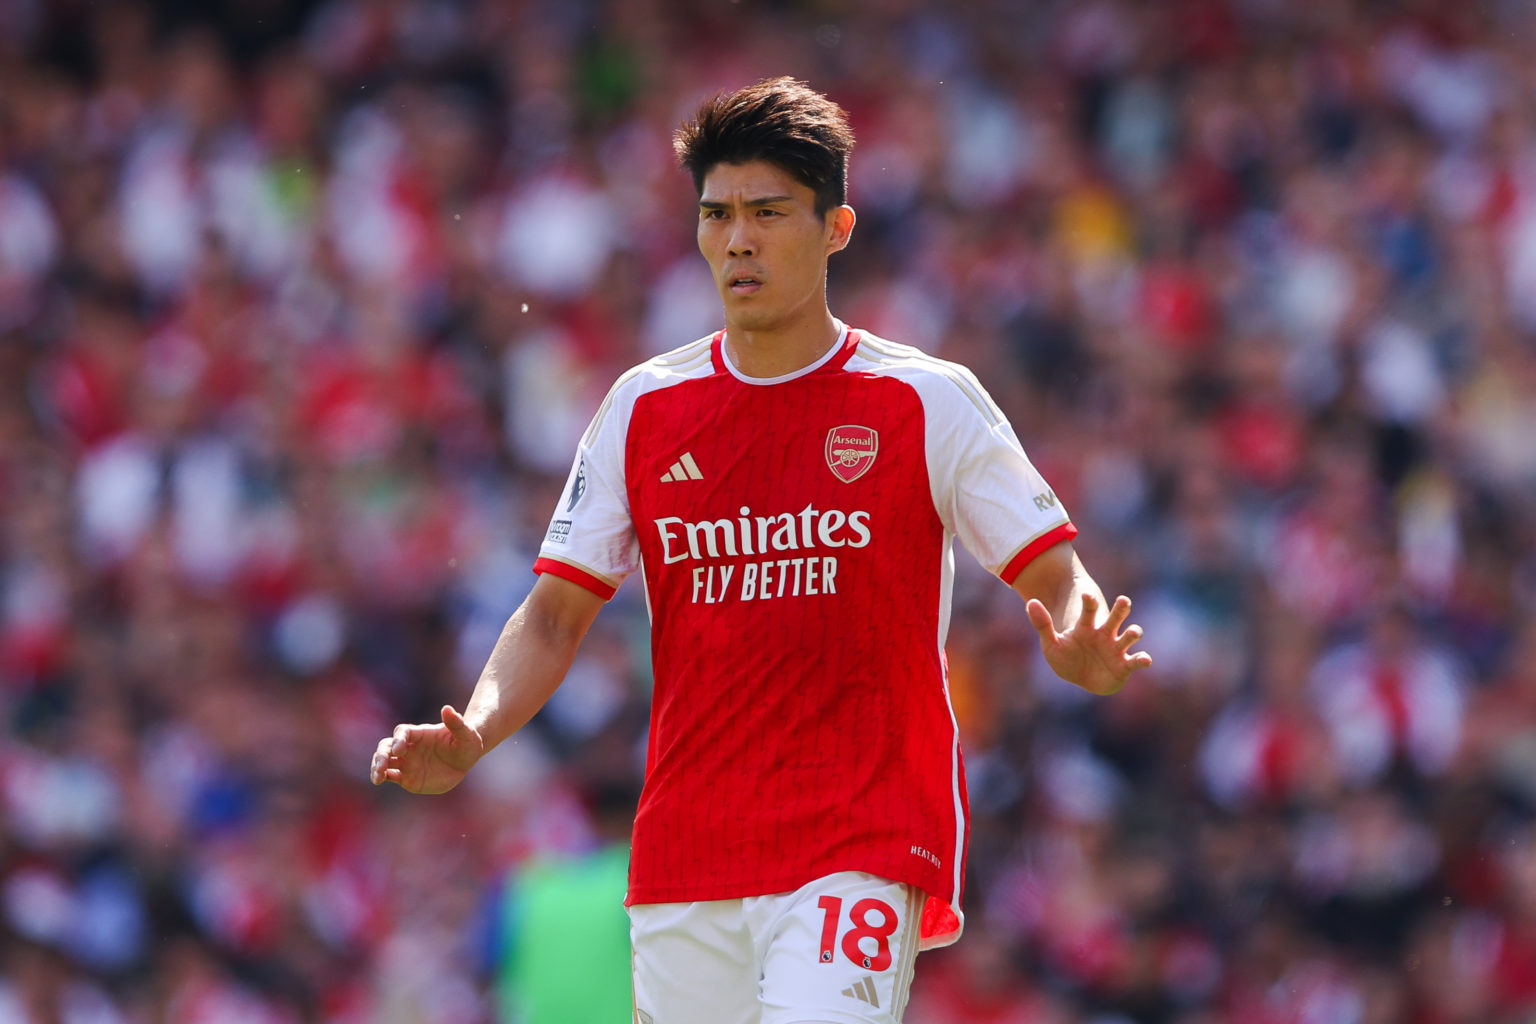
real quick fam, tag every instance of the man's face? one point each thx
(766, 245)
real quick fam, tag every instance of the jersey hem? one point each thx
(576, 574)
(1032, 549)
(941, 923)
(694, 893)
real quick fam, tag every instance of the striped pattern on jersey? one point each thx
(799, 570)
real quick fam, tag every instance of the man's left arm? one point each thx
(1084, 638)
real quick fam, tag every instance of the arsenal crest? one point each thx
(851, 451)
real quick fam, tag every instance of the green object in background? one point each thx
(568, 960)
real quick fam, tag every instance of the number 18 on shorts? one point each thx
(839, 950)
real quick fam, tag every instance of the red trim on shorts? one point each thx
(566, 571)
(940, 924)
(1049, 539)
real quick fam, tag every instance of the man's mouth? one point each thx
(745, 284)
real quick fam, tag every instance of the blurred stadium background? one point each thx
(302, 306)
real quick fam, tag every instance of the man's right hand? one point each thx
(427, 758)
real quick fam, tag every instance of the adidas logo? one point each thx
(683, 469)
(864, 991)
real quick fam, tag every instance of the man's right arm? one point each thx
(529, 661)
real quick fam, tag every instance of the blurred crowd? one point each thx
(303, 305)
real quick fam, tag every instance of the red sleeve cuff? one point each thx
(1066, 531)
(566, 571)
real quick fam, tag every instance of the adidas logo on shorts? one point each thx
(864, 991)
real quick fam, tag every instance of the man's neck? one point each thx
(774, 353)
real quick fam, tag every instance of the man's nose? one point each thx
(742, 242)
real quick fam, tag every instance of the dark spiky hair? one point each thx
(779, 120)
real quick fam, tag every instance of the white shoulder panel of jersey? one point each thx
(985, 489)
(695, 359)
(591, 528)
(940, 382)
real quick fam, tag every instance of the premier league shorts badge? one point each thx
(851, 451)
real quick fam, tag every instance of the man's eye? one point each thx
(714, 214)
(765, 212)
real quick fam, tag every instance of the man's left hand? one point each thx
(1094, 655)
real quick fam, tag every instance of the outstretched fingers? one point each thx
(1090, 615)
(1126, 640)
(1040, 618)
(1119, 611)
(1127, 637)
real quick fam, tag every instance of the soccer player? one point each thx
(789, 489)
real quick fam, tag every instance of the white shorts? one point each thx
(838, 950)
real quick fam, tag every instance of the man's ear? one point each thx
(840, 221)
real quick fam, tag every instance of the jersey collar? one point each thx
(834, 358)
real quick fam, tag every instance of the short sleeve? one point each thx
(986, 490)
(591, 538)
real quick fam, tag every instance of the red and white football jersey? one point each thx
(795, 537)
